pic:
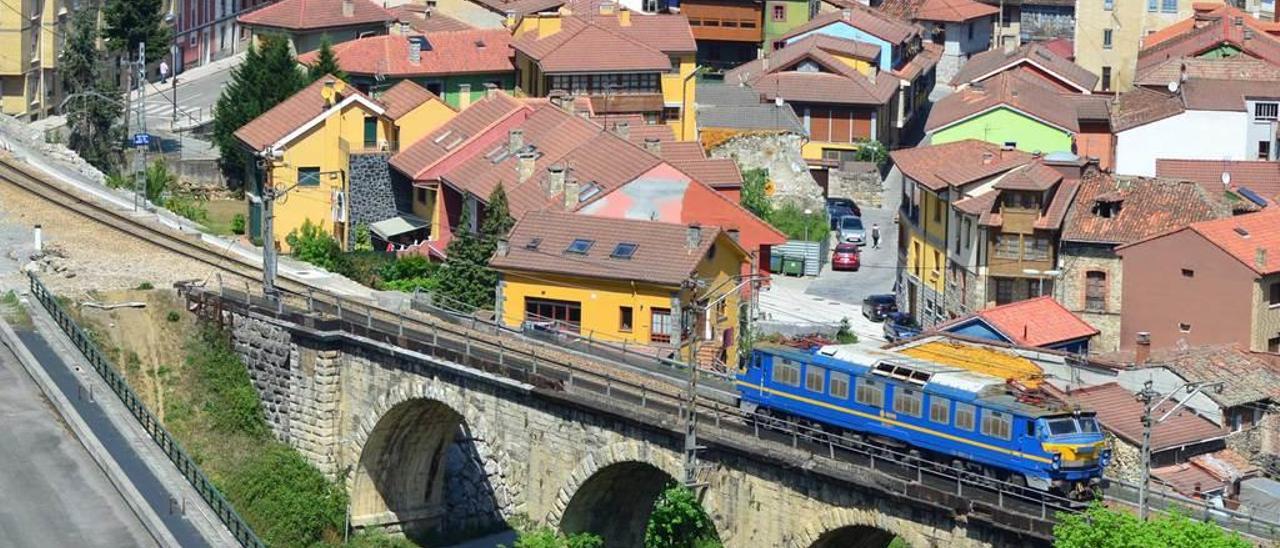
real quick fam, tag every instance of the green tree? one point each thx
(159, 181)
(1101, 527)
(678, 521)
(128, 23)
(466, 279)
(94, 110)
(267, 76)
(326, 62)
(754, 198)
(313, 244)
(872, 151)
(546, 537)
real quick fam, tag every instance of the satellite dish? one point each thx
(1226, 179)
(1173, 86)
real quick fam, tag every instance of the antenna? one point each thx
(1226, 179)
(1173, 86)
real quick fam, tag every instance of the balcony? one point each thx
(724, 21)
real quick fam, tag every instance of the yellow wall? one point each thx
(29, 73)
(685, 127)
(422, 120)
(932, 206)
(812, 150)
(859, 65)
(931, 262)
(1129, 22)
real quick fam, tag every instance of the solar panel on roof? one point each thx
(1252, 196)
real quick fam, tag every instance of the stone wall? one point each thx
(858, 181)
(1043, 22)
(779, 153)
(372, 197)
(268, 352)
(965, 292)
(1077, 260)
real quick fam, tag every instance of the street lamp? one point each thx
(1041, 275)
(1146, 396)
(807, 213)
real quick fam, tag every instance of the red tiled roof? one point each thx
(315, 14)
(682, 151)
(424, 19)
(604, 161)
(824, 87)
(1263, 233)
(924, 60)
(520, 7)
(603, 44)
(1141, 106)
(1206, 11)
(1009, 90)
(1230, 68)
(956, 163)
(815, 47)
(1246, 376)
(1260, 176)
(1206, 473)
(881, 25)
(1216, 26)
(1062, 47)
(714, 172)
(1147, 207)
(950, 11)
(1057, 210)
(662, 256)
(988, 63)
(1035, 176)
(1036, 322)
(290, 114)
(467, 125)
(1121, 413)
(454, 52)
(403, 97)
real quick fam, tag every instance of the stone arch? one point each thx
(626, 478)
(423, 460)
(857, 528)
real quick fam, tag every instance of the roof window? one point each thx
(624, 250)
(1241, 231)
(533, 244)
(580, 246)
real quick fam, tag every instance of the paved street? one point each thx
(197, 91)
(55, 495)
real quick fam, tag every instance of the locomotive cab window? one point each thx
(786, 372)
(964, 416)
(870, 392)
(996, 424)
(814, 377)
(839, 385)
(908, 402)
(939, 409)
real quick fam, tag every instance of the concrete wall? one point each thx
(1129, 23)
(1207, 135)
(963, 40)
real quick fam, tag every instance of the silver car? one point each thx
(850, 230)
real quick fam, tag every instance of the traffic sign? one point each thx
(141, 139)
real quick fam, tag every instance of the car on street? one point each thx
(844, 202)
(845, 257)
(900, 325)
(851, 230)
(834, 214)
(876, 307)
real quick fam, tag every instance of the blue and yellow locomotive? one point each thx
(949, 415)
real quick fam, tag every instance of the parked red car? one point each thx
(845, 257)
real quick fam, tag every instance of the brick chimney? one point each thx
(693, 237)
(515, 140)
(1142, 352)
(1260, 258)
(653, 145)
(988, 157)
(348, 8)
(624, 17)
(524, 166)
(490, 89)
(555, 179)
(415, 50)
(571, 190)
(622, 129)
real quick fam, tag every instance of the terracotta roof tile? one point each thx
(1217, 26)
(424, 19)
(1263, 232)
(811, 47)
(1247, 378)
(1206, 472)
(1260, 176)
(978, 204)
(1009, 90)
(520, 7)
(1057, 210)
(988, 63)
(1121, 413)
(926, 59)
(661, 257)
(1062, 47)
(956, 163)
(315, 14)
(951, 11)
(602, 44)
(1036, 322)
(403, 97)
(1226, 95)
(454, 52)
(1141, 106)
(714, 172)
(414, 160)
(1146, 207)
(1231, 68)
(824, 87)
(682, 151)
(881, 25)
(603, 163)
(1035, 176)
(290, 114)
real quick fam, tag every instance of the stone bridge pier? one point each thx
(428, 446)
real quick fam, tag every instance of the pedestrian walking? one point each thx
(164, 72)
(875, 236)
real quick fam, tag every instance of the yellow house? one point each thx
(325, 151)
(1109, 35)
(31, 32)
(577, 55)
(624, 281)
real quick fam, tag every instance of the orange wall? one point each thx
(1096, 140)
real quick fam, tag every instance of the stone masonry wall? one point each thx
(1077, 260)
(780, 154)
(859, 181)
(267, 351)
(372, 196)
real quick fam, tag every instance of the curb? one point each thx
(137, 504)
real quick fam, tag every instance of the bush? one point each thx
(845, 334)
(288, 502)
(678, 521)
(173, 316)
(364, 240)
(754, 197)
(238, 224)
(190, 206)
(229, 398)
(145, 286)
(363, 267)
(1101, 527)
(312, 244)
(409, 274)
(791, 220)
(546, 537)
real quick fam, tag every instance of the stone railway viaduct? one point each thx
(426, 443)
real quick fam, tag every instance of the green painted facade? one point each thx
(794, 13)
(1005, 125)
(450, 88)
(1221, 52)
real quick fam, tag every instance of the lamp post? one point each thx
(807, 213)
(1041, 275)
(1147, 396)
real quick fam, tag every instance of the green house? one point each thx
(781, 16)
(1010, 110)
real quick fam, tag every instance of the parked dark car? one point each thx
(876, 307)
(845, 257)
(900, 325)
(844, 202)
(834, 213)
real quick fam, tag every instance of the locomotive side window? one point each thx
(839, 385)
(939, 409)
(908, 402)
(996, 424)
(813, 377)
(964, 416)
(786, 372)
(870, 392)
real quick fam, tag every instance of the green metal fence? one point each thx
(185, 464)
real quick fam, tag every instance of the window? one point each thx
(1106, 77)
(436, 88)
(996, 424)
(814, 377)
(1106, 38)
(370, 132)
(1007, 246)
(1266, 111)
(1095, 291)
(1038, 249)
(1274, 291)
(970, 30)
(779, 12)
(939, 409)
(869, 392)
(1169, 6)
(670, 113)
(580, 246)
(1273, 345)
(964, 416)
(662, 328)
(566, 315)
(1188, 273)
(1011, 144)
(786, 372)
(1184, 327)
(625, 319)
(1152, 5)
(937, 211)
(1264, 150)
(308, 176)
(1004, 291)
(624, 250)
(420, 195)
(839, 385)
(908, 402)
(1108, 5)
(968, 226)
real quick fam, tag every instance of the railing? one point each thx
(167, 443)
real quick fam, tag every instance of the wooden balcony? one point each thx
(724, 21)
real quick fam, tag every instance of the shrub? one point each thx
(754, 197)
(230, 400)
(145, 286)
(792, 221)
(364, 240)
(363, 267)
(546, 537)
(678, 521)
(173, 316)
(190, 206)
(845, 334)
(312, 244)
(238, 224)
(287, 502)
(1102, 527)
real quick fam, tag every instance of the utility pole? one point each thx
(268, 196)
(691, 384)
(1147, 396)
(140, 157)
(173, 120)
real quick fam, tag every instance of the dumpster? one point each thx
(775, 263)
(793, 265)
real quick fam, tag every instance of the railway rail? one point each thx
(659, 390)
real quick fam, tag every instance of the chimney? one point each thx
(871, 74)
(622, 129)
(415, 50)
(524, 166)
(330, 91)
(490, 89)
(846, 13)
(693, 237)
(515, 140)
(503, 247)
(348, 8)
(555, 179)
(653, 145)
(606, 8)
(1260, 258)
(988, 157)
(1009, 47)
(571, 195)
(734, 234)
(1142, 352)
(624, 17)
(405, 28)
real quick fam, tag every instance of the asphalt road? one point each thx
(878, 269)
(54, 494)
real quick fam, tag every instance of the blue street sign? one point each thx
(141, 139)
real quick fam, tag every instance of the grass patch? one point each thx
(12, 311)
(221, 214)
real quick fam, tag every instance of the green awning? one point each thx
(395, 226)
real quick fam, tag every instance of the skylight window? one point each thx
(588, 192)
(624, 250)
(533, 244)
(580, 246)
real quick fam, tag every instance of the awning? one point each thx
(395, 226)
(613, 104)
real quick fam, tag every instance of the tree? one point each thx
(754, 197)
(93, 109)
(1101, 527)
(466, 279)
(311, 243)
(131, 22)
(872, 151)
(678, 521)
(546, 537)
(267, 76)
(326, 63)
